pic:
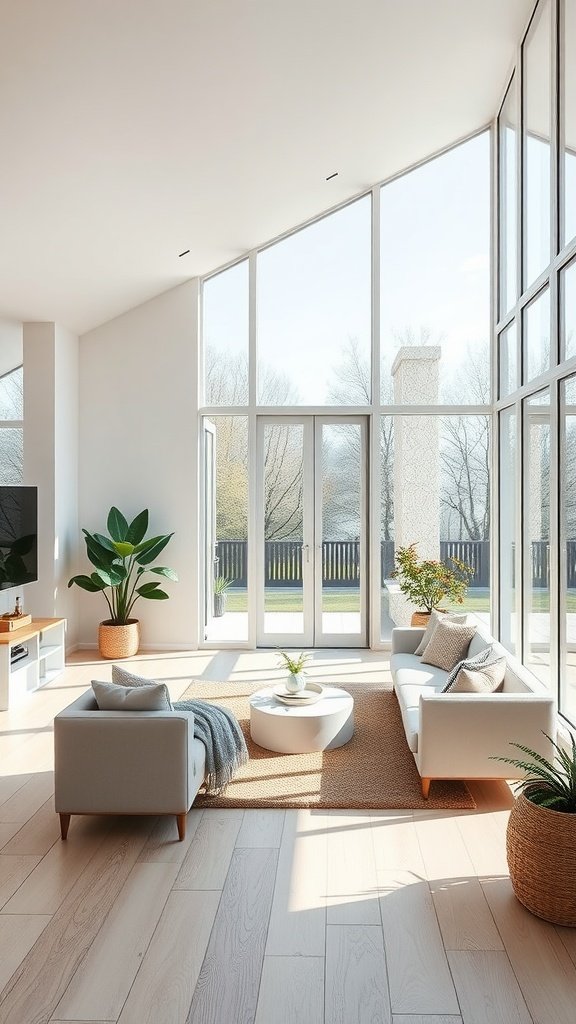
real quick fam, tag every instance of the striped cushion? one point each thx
(484, 679)
(486, 657)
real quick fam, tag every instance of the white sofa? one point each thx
(454, 735)
(125, 762)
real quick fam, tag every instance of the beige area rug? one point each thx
(374, 770)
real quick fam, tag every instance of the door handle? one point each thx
(306, 548)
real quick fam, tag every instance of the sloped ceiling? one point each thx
(131, 130)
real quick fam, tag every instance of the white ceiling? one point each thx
(131, 130)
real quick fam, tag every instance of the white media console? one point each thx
(44, 660)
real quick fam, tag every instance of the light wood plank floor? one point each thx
(260, 916)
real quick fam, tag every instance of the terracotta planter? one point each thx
(541, 851)
(420, 619)
(117, 642)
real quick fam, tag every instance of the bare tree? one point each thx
(11, 409)
(465, 455)
(226, 379)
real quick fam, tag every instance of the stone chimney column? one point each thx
(415, 374)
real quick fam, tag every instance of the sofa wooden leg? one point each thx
(64, 825)
(426, 788)
(181, 822)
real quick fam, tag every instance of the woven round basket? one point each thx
(541, 850)
(116, 642)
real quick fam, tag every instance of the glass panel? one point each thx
(508, 368)
(342, 515)
(507, 133)
(537, 103)
(11, 455)
(230, 621)
(435, 279)
(508, 463)
(537, 337)
(437, 469)
(283, 528)
(569, 120)
(568, 287)
(314, 312)
(568, 535)
(12, 395)
(537, 533)
(225, 336)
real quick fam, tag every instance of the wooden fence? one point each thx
(341, 561)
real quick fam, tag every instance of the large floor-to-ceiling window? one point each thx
(345, 411)
(11, 426)
(536, 351)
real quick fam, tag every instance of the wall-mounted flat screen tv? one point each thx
(18, 536)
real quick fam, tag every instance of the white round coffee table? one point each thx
(301, 730)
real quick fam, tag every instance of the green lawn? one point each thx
(280, 600)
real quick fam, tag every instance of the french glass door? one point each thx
(311, 507)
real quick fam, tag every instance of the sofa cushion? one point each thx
(121, 677)
(486, 657)
(435, 618)
(479, 642)
(449, 644)
(411, 679)
(110, 697)
(483, 679)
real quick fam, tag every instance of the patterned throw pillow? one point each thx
(151, 697)
(123, 678)
(448, 646)
(485, 679)
(435, 618)
(485, 657)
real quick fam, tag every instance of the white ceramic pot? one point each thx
(295, 683)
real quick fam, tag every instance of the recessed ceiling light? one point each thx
(330, 176)
(185, 253)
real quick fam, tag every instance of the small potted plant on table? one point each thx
(427, 582)
(295, 664)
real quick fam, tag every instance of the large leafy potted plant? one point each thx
(120, 560)
(427, 582)
(541, 835)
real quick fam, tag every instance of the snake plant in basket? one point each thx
(541, 836)
(120, 561)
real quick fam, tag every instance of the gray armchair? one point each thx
(125, 762)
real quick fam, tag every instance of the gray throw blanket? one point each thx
(222, 736)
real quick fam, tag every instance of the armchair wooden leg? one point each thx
(181, 822)
(426, 787)
(64, 824)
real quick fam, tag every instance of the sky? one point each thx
(313, 288)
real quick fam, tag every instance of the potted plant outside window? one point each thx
(541, 835)
(427, 582)
(120, 560)
(220, 589)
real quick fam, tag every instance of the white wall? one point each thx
(51, 464)
(138, 449)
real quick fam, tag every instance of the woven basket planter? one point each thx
(541, 850)
(117, 642)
